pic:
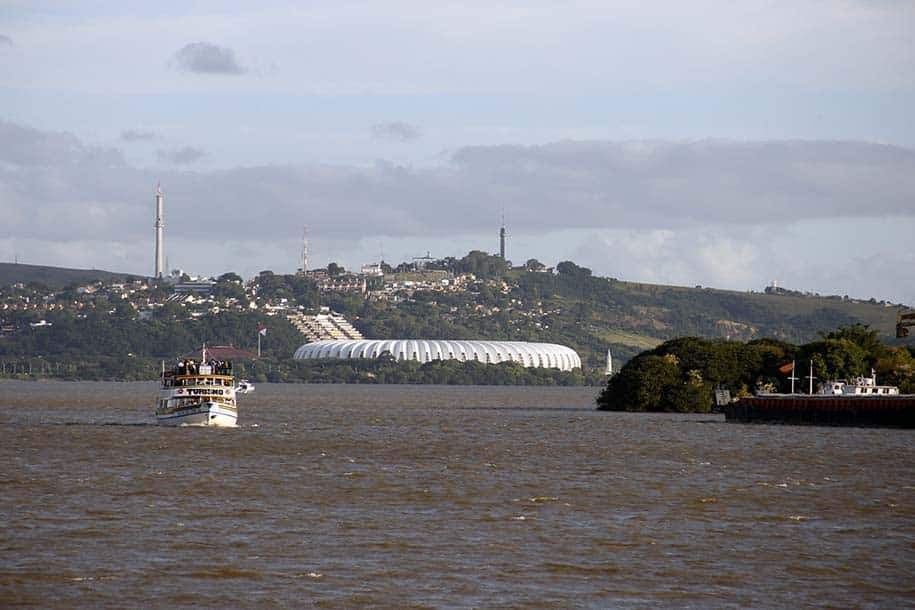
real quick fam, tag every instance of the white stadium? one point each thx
(546, 355)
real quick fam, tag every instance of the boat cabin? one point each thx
(860, 386)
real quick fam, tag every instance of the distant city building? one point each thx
(194, 286)
(421, 262)
(372, 269)
(544, 355)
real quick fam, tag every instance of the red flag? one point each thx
(786, 368)
(262, 330)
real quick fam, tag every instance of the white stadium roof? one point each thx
(547, 355)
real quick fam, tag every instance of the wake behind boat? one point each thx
(198, 393)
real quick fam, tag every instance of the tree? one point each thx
(533, 264)
(229, 286)
(644, 384)
(569, 268)
(333, 270)
(482, 265)
(836, 359)
(860, 335)
(897, 367)
(230, 277)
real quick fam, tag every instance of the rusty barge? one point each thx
(860, 402)
(884, 411)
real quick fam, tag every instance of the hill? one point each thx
(592, 314)
(56, 277)
(652, 313)
(570, 307)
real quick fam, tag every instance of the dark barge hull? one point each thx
(885, 411)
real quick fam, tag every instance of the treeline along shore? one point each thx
(681, 375)
(450, 372)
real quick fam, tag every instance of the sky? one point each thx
(715, 143)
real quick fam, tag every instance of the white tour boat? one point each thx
(198, 393)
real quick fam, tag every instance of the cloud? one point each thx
(396, 130)
(639, 184)
(6, 40)
(134, 135)
(207, 58)
(28, 148)
(628, 185)
(182, 156)
(715, 213)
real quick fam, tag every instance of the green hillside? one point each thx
(55, 277)
(570, 307)
(592, 314)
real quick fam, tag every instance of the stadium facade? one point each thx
(546, 355)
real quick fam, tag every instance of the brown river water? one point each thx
(334, 496)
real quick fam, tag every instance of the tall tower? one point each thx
(304, 249)
(502, 239)
(159, 226)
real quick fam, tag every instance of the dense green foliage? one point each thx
(680, 375)
(168, 334)
(452, 372)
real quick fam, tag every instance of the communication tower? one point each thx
(304, 268)
(159, 227)
(502, 239)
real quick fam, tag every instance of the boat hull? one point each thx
(206, 414)
(885, 411)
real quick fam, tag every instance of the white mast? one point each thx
(159, 226)
(811, 377)
(304, 249)
(792, 378)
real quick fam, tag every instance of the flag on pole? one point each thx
(261, 332)
(786, 368)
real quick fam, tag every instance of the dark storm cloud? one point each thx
(633, 185)
(396, 130)
(134, 135)
(206, 58)
(181, 156)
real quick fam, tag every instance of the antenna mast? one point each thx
(159, 227)
(502, 238)
(304, 249)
